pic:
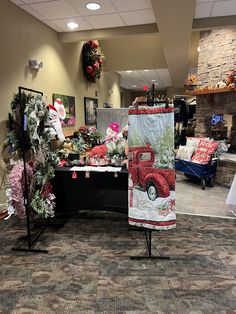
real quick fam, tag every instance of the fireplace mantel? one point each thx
(210, 91)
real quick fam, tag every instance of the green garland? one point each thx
(37, 139)
(92, 60)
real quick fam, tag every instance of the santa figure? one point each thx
(54, 120)
(60, 108)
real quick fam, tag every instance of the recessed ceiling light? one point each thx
(145, 70)
(134, 86)
(129, 71)
(72, 25)
(93, 6)
(154, 80)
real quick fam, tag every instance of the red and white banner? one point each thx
(151, 168)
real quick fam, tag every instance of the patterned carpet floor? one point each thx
(88, 269)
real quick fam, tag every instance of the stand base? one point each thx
(50, 225)
(29, 250)
(148, 238)
(150, 257)
(32, 243)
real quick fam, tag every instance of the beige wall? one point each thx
(172, 91)
(135, 53)
(126, 98)
(22, 38)
(27, 38)
(113, 85)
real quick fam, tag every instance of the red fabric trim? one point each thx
(52, 107)
(154, 223)
(59, 102)
(150, 111)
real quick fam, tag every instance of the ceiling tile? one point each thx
(17, 2)
(132, 5)
(79, 6)
(224, 8)
(149, 74)
(37, 1)
(198, 1)
(141, 78)
(164, 76)
(53, 26)
(31, 11)
(138, 17)
(104, 21)
(83, 25)
(203, 9)
(55, 9)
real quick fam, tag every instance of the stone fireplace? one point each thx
(217, 57)
(217, 104)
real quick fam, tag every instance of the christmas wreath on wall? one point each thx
(92, 60)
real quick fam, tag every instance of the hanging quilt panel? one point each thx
(151, 168)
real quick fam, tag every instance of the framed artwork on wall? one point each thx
(90, 113)
(66, 104)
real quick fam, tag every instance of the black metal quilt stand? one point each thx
(31, 242)
(148, 240)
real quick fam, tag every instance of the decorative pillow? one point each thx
(204, 151)
(194, 141)
(222, 148)
(185, 153)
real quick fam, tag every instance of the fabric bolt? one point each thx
(151, 168)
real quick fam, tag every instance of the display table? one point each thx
(90, 190)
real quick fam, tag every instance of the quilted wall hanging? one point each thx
(151, 168)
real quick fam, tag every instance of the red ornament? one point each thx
(89, 69)
(145, 88)
(95, 66)
(95, 44)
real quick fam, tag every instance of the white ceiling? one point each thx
(120, 13)
(113, 13)
(135, 80)
(212, 8)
